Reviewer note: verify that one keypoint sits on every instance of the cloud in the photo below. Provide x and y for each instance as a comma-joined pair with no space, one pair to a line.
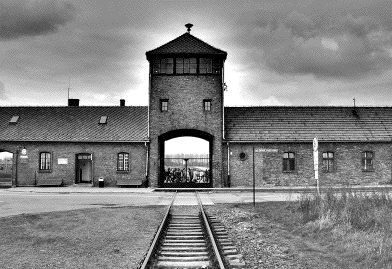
326,43
2,91
32,17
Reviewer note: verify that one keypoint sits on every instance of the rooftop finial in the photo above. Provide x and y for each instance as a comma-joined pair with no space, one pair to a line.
188,26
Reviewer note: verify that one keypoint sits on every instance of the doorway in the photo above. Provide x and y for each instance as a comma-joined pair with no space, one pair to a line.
84,164
185,158
6,168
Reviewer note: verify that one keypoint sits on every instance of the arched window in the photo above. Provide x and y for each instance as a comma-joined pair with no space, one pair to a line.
123,162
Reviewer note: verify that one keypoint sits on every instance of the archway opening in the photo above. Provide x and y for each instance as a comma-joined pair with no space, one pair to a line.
6,168
186,160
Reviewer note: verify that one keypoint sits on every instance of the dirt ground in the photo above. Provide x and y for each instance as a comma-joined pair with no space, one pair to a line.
108,237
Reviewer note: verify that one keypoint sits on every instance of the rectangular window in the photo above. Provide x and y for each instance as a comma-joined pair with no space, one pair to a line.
14,120
84,156
367,160
164,104
103,120
163,66
205,66
186,65
288,161
328,161
123,161
45,161
216,66
207,105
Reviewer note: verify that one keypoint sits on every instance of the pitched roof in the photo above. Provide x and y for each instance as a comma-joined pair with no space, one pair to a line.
291,124
186,44
74,124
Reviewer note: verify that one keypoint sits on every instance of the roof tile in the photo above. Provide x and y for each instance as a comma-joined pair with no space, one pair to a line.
74,124
186,44
269,124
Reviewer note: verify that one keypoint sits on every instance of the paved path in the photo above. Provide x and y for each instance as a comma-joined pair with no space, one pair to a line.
16,201
31,200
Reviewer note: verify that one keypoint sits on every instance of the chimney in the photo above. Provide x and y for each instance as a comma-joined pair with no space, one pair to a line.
73,102
122,102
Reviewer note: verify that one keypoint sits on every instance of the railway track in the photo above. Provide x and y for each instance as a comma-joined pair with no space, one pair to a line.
184,240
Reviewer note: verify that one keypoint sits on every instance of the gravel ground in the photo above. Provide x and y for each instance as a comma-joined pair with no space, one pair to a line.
255,237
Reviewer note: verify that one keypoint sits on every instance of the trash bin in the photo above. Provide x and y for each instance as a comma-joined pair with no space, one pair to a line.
100,182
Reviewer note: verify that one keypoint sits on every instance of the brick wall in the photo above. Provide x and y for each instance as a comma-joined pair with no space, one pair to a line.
269,170
104,161
185,111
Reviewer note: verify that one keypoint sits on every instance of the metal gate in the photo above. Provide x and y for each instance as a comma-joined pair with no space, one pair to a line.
186,172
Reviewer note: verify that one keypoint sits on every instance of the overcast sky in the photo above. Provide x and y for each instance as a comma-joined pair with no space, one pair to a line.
298,52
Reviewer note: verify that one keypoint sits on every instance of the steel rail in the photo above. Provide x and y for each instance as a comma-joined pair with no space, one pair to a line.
210,234
158,234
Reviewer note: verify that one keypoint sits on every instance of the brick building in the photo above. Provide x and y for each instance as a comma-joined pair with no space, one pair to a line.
125,145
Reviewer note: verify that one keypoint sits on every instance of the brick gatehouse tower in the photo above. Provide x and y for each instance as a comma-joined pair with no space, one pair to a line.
186,99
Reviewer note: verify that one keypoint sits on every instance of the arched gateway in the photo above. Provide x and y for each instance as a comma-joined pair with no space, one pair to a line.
186,168
185,99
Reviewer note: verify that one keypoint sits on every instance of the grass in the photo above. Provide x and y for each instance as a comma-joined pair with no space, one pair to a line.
336,230
358,221
89,238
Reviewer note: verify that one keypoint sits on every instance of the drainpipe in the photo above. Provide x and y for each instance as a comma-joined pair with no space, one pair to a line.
147,153
16,167
228,165
223,102
149,96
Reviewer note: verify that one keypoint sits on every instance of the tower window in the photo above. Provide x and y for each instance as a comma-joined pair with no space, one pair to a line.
164,104
163,66
186,65
205,66
207,105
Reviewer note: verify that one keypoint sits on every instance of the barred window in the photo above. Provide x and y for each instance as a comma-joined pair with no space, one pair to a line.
163,66
123,161
367,160
328,161
288,161
45,161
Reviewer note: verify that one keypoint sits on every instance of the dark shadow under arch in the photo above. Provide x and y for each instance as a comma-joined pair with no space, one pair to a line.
181,133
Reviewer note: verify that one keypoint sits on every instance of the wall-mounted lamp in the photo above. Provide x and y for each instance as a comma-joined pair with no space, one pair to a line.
24,151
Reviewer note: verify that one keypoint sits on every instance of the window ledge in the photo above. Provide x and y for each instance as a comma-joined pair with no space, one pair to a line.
368,170
44,171
122,172
293,171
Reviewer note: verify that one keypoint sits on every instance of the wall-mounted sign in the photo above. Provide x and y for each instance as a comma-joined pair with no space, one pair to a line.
266,150
24,157
62,160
